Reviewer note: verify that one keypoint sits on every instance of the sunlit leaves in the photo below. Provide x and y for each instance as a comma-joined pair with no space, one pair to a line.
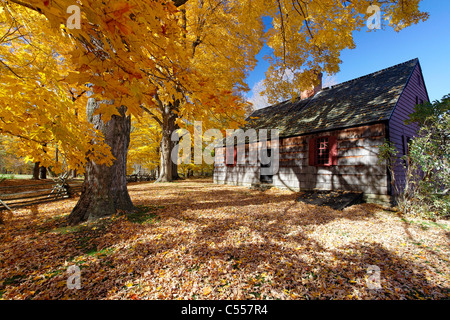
223,242
39,108
152,53
309,36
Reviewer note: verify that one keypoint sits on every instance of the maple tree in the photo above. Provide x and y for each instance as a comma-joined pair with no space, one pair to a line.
308,36
38,109
178,60
145,140
9,161
218,54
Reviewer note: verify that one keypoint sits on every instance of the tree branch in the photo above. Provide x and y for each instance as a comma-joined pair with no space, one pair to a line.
27,5
283,33
9,68
179,3
153,115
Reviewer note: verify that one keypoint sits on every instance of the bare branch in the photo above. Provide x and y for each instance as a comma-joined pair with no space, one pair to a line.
152,114
27,5
10,69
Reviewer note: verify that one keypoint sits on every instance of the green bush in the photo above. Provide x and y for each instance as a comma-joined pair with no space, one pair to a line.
425,193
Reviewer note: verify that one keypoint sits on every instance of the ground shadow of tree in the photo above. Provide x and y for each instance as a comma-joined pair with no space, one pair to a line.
277,262
313,271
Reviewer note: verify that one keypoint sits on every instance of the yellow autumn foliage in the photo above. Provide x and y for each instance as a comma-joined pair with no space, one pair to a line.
38,108
151,53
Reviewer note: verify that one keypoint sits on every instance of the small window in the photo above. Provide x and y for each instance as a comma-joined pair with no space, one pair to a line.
323,151
406,140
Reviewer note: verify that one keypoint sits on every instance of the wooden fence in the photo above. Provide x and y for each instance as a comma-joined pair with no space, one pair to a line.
12,197
140,177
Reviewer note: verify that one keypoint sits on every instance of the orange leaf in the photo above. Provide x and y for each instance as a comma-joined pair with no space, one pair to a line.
207,291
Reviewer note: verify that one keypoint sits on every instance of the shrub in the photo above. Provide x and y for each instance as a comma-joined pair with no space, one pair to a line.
426,190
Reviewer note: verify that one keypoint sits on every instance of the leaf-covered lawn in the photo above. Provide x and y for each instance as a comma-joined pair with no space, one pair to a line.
197,240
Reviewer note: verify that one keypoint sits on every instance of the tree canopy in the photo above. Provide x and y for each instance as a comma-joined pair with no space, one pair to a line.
175,62
142,52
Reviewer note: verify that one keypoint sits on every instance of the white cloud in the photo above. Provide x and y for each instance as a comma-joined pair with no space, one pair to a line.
329,81
259,101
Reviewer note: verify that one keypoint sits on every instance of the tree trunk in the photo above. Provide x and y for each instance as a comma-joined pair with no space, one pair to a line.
165,171
168,127
175,175
42,173
36,171
104,189
175,148
43,170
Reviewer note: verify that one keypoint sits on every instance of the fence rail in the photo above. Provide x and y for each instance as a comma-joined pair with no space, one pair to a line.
140,177
11,197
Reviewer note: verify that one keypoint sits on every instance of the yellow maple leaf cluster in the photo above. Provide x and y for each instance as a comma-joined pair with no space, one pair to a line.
39,109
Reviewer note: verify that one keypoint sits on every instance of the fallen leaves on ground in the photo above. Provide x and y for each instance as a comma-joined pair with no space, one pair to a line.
197,240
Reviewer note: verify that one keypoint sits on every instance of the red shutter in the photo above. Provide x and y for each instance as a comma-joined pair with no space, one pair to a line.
333,150
312,151
229,153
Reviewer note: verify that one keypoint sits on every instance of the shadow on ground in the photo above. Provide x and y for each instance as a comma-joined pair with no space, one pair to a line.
246,235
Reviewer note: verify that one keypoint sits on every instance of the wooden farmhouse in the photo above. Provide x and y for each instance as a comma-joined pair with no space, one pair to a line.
329,137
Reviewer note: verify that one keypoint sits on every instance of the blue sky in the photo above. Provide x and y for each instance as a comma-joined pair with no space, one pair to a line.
429,41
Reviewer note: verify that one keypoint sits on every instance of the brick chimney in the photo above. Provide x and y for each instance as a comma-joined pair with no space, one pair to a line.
305,94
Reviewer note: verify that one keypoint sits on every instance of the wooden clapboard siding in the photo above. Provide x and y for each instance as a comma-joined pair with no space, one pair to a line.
358,114
357,166
398,130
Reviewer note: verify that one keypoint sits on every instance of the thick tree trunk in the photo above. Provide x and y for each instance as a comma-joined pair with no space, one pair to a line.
175,148
175,175
36,171
104,190
43,170
42,173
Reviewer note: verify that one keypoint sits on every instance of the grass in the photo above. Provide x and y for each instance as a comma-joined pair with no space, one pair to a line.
11,176
426,224
143,214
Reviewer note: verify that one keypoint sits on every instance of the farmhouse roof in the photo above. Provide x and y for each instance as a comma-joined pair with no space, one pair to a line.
367,99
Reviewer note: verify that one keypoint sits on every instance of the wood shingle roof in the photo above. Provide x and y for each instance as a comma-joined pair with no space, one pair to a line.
367,99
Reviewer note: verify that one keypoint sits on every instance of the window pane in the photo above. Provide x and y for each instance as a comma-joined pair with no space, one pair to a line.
323,151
